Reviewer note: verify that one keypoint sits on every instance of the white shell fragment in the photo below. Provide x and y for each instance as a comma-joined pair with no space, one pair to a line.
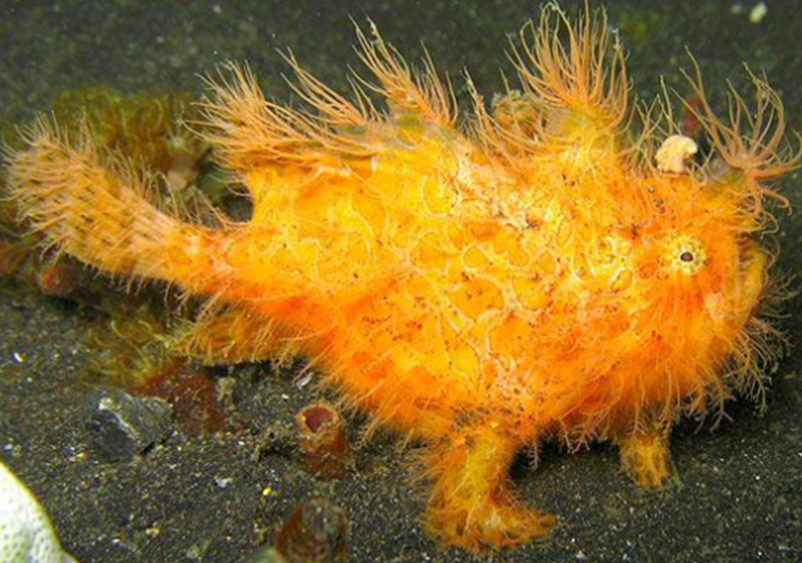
26,535
758,12
675,151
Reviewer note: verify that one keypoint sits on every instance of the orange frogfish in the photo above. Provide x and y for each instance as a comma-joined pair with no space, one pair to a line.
477,282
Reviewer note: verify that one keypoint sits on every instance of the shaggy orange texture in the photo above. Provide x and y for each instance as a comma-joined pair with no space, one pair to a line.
532,275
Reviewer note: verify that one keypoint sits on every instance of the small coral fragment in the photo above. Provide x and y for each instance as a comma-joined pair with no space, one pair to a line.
322,441
315,532
192,395
59,278
26,534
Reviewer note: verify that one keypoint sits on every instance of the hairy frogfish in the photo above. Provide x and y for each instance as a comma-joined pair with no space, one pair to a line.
559,264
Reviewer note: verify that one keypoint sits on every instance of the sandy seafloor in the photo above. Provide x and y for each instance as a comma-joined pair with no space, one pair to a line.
740,497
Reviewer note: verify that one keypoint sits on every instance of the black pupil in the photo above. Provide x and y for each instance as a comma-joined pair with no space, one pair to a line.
686,256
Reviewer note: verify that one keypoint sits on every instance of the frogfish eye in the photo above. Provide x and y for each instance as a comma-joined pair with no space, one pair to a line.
686,254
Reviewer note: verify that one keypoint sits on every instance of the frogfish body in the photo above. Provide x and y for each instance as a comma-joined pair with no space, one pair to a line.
537,273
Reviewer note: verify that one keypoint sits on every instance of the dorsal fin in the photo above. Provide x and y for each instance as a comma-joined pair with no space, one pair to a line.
422,93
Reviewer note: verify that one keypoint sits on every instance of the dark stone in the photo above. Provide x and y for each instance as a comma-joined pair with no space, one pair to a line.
121,426
315,532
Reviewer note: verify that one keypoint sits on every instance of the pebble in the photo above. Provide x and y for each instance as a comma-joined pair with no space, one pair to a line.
122,426
315,532
758,12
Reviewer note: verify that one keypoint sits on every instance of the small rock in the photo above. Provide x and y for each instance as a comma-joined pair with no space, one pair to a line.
122,426
315,532
223,482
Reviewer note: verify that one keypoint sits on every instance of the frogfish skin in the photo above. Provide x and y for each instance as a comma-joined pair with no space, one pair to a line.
480,282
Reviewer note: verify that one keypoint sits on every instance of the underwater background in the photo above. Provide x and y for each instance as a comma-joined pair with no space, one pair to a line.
202,496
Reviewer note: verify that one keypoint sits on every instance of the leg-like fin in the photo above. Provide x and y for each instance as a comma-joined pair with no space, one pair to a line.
471,504
646,457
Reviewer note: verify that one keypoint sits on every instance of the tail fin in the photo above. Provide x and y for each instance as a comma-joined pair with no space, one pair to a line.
95,211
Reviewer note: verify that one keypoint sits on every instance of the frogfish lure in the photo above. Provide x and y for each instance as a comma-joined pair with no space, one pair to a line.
478,284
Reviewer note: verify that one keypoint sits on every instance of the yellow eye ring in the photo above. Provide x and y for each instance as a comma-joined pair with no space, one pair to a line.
686,254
